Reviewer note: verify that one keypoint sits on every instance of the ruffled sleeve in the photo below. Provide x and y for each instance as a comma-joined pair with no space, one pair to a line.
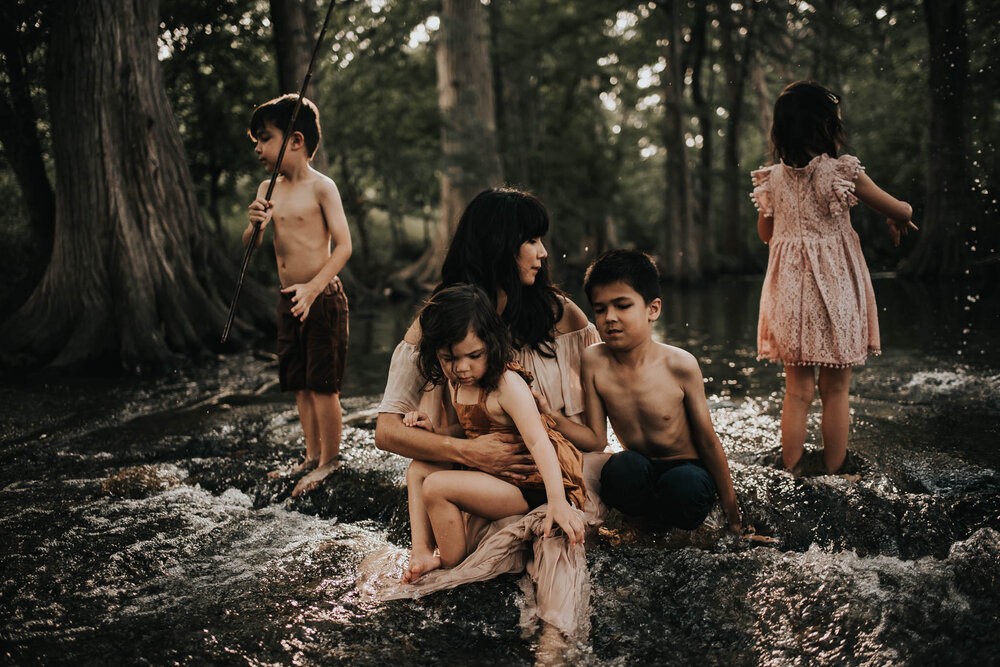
559,379
761,194
569,352
404,384
845,170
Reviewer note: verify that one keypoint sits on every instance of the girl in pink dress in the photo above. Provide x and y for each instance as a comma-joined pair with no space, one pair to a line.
817,306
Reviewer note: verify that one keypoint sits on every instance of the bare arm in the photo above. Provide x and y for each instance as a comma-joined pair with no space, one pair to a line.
704,438
592,436
516,401
897,213
260,213
765,227
340,234
493,453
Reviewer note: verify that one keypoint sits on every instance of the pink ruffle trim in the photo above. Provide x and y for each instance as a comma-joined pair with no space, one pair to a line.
824,364
843,186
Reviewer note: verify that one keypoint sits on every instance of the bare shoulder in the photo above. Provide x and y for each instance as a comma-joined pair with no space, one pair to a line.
511,380
596,355
413,334
573,319
679,362
323,185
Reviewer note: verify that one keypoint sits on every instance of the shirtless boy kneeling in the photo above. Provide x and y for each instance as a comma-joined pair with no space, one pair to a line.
673,464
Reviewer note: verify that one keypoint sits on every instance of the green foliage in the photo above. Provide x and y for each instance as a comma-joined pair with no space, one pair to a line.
580,115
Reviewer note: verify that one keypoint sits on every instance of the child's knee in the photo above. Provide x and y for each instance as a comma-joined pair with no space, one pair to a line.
834,382
800,393
433,489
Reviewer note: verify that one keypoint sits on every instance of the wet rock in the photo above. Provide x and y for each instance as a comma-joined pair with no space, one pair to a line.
141,481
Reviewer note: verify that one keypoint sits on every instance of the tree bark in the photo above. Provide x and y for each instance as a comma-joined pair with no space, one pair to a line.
471,162
703,105
134,275
294,35
19,133
736,64
680,247
945,246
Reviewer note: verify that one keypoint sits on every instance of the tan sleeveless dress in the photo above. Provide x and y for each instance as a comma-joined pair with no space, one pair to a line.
476,421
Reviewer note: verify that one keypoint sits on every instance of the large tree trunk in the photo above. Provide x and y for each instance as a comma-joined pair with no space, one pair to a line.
19,133
134,275
704,107
294,35
736,65
469,144
680,246
945,246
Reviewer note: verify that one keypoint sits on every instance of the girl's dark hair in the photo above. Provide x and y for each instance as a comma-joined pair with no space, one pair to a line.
484,252
806,124
446,319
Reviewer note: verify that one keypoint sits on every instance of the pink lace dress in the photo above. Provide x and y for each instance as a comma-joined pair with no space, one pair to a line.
817,305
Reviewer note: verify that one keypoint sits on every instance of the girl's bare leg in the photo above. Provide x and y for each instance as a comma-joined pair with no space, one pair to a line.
422,556
834,392
450,492
799,391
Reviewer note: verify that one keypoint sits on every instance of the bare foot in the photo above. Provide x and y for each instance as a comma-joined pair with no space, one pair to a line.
315,478
420,563
299,469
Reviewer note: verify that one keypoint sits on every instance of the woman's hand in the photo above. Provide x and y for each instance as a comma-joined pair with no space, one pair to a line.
567,518
418,419
500,454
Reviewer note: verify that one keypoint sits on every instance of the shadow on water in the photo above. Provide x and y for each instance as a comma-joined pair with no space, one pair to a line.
140,525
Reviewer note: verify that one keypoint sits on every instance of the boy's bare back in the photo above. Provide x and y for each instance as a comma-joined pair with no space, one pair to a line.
646,402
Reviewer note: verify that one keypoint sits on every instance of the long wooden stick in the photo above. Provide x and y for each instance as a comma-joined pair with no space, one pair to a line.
274,176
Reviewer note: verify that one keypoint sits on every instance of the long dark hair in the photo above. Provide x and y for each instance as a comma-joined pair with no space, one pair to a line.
447,318
484,252
806,123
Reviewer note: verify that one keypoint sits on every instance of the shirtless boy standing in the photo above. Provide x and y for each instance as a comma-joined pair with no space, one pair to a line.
312,308
673,464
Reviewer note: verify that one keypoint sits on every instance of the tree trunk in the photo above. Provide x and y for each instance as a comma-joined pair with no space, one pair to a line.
703,105
134,274
19,133
736,64
465,97
945,246
680,249
294,41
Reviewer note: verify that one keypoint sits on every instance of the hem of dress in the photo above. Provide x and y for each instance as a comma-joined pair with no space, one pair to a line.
825,364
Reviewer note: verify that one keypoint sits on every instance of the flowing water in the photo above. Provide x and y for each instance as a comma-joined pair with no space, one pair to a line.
138,525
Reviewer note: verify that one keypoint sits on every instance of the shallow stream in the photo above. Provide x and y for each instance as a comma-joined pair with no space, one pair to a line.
138,525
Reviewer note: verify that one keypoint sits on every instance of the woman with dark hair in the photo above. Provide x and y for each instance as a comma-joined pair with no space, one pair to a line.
498,247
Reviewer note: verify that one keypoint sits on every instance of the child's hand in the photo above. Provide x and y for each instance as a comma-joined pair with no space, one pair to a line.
899,229
260,213
567,518
418,420
302,299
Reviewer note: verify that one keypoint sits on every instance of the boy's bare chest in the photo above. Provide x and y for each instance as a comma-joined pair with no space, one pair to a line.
296,208
650,396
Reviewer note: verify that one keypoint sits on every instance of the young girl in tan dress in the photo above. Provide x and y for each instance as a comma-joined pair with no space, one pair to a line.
466,344
817,305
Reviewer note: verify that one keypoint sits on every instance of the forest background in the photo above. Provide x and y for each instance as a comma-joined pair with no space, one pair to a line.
126,169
